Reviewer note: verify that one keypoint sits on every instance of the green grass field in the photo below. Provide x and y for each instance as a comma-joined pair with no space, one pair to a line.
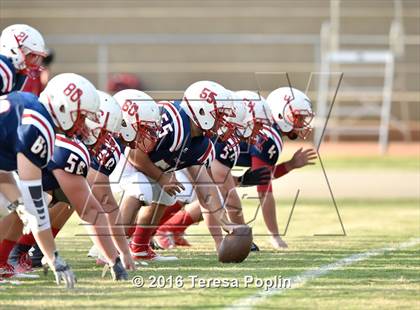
388,280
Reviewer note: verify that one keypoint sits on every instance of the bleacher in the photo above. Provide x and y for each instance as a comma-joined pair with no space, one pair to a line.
170,44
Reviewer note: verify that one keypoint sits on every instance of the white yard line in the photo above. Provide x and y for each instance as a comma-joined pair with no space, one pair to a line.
301,279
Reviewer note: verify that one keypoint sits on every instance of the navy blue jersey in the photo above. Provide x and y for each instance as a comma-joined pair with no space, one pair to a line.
9,79
226,154
108,157
25,127
176,149
70,155
267,150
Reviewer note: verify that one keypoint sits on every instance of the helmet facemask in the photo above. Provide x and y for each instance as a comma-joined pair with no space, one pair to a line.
147,135
257,135
224,127
299,119
80,128
98,136
254,133
32,65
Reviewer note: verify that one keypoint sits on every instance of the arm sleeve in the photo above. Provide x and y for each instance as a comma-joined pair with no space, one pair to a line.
280,170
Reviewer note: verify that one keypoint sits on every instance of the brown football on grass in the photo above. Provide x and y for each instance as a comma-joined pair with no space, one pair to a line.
236,245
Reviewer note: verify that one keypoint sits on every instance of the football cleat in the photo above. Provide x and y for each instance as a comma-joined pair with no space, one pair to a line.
6,271
93,252
180,240
17,251
147,253
154,245
100,259
254,247
24,264
36,256
164,240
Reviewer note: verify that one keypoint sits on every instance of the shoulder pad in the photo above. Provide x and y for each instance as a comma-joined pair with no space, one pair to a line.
7,75
172,119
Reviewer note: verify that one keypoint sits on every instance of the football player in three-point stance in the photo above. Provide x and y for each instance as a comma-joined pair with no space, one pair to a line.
255,115
183,143
28,128
139,130
292,114
66,177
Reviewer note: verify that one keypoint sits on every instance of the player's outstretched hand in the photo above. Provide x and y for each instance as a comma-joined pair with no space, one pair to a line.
62,272
170,184
259,176
303,158
128,262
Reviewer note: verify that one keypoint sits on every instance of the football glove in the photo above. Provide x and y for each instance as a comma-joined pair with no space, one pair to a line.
260,176
62,271
118,271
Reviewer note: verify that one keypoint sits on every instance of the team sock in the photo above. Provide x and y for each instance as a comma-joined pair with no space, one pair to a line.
6,247
141,238
170,211
178,223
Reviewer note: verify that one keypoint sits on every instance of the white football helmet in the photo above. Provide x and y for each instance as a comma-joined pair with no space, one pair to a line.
25,46
141,119
110,118
258,116
70,99
291,111
208,104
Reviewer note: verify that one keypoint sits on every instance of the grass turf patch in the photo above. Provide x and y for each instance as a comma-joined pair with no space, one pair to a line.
386,280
